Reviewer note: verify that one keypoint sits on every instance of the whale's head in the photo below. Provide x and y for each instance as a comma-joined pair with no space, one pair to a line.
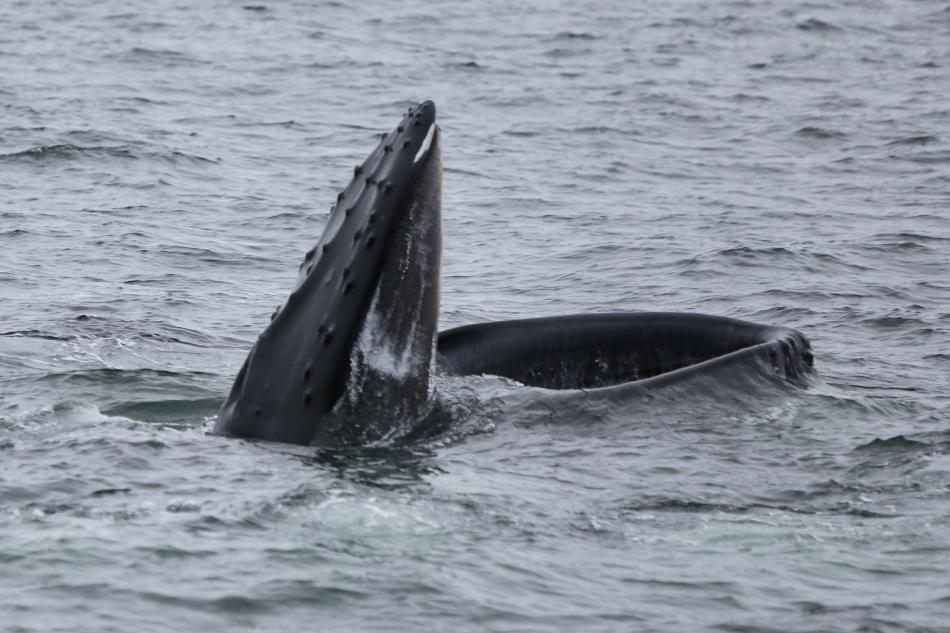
359,328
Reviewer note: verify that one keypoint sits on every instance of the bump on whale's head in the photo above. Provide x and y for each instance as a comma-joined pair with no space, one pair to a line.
378,196
299,367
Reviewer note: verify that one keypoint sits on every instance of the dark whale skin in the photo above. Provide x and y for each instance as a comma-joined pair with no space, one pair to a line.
299,367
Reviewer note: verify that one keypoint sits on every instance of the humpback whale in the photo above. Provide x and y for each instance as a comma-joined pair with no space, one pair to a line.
353,349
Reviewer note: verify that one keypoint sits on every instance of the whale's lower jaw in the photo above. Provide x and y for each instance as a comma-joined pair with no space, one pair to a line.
601,351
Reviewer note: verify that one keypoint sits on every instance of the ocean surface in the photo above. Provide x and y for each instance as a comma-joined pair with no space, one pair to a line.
164,166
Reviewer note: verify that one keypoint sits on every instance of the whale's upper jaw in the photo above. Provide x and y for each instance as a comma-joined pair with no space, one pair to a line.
300,365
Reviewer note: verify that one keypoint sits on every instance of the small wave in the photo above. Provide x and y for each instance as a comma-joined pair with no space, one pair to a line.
741,97
463,172
67,151
601,129
471,66
180,335
744,252
71,413
164,57
64,152
749,256
566,52
140,100
197,254
276,596
689,505
905,236
894,321
168,411
112,377
574,35
915,140
925,158
290,123
177,156
103,492
37,334
816,25
521,132
821,490
784,312
207,119
899,243
896,443
819,133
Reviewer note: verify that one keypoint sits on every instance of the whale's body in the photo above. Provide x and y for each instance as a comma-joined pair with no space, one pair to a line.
352,350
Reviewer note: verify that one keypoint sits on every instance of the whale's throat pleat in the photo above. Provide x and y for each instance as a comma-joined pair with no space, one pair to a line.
394,352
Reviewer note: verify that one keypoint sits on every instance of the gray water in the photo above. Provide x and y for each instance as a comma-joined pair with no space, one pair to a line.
164,165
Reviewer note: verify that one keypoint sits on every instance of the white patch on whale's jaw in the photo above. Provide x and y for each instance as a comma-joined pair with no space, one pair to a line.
391,342
426,144
379,353
393,355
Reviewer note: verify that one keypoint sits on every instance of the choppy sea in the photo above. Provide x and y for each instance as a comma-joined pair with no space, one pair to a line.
164,165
